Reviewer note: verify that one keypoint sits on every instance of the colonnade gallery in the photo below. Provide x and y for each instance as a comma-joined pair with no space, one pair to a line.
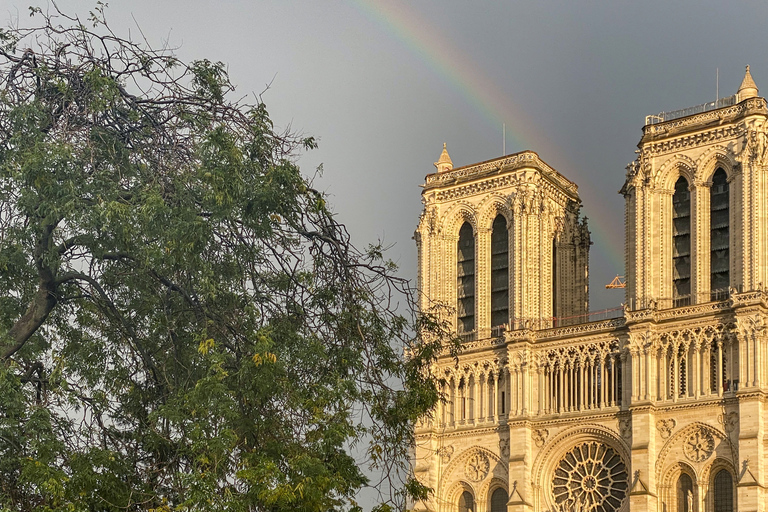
658,406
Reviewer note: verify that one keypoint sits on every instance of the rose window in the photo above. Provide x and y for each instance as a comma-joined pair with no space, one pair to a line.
698,445
590,478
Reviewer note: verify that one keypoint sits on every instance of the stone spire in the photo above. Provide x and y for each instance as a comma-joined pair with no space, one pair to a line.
748,88
444,162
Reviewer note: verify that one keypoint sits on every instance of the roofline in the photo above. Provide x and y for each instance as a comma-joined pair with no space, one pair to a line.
525,158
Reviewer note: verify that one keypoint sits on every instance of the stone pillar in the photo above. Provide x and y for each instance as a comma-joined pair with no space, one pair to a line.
483,282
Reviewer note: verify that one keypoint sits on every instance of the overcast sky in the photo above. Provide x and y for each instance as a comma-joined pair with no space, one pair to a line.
383,84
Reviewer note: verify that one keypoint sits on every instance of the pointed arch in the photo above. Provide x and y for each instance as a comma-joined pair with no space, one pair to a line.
674,168
490,208
710,161
719,234
456,216
465,279
500,263
681,242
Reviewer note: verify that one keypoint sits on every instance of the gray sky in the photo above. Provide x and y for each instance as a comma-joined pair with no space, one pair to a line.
383,84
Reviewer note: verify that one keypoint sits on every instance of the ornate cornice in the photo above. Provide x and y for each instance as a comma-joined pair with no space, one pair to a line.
509,162
694,140
699,121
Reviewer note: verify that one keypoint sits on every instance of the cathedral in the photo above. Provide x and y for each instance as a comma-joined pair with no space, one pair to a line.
656,406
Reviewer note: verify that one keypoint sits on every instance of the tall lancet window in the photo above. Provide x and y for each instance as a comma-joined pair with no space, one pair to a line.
465,306
723,491
681,244
499,272
719,236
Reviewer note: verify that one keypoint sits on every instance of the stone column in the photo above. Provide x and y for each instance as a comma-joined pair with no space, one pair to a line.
483,282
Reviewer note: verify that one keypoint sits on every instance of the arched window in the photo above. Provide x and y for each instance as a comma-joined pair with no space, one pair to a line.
555,312
465,306
499,500
714,357
681,244
719,236
683,376
499,272
466,502
684,486
723,491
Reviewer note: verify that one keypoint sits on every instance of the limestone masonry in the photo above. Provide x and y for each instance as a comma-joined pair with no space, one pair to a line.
659,406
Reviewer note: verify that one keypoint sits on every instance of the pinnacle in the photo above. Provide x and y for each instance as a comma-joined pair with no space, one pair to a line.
444,163
748,88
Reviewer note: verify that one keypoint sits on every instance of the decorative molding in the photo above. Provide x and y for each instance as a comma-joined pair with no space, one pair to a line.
477,466
445,453
728,420
539,436
625,428
590,477
504,447
751,106
665,427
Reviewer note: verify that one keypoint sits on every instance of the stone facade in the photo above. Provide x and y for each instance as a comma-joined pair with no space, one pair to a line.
658,406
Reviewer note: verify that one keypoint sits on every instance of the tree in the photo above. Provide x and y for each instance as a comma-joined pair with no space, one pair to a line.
184,324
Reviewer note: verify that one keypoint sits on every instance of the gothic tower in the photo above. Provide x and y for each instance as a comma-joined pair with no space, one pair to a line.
658,406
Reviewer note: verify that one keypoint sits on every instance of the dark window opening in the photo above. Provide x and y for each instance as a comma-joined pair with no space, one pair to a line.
466,280
499,272
723,491
719,236
499,500
466,502
681,244
684,486
554,278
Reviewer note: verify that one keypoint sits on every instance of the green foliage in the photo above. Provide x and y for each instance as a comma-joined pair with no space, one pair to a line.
184,326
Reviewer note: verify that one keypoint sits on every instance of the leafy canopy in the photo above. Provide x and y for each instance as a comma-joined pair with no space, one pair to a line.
184,325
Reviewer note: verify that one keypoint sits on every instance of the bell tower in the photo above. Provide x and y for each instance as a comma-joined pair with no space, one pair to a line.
502,242
696,219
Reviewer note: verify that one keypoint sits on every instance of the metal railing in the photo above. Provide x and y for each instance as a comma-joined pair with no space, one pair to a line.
482,334
563,321
681,301
698,109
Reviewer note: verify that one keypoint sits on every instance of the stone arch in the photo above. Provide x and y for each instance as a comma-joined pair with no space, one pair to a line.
455,473
673,472
708,480
718,463
456,216
547,460
668,484
489,487
674,449
711,160
492,206
455,491
672,169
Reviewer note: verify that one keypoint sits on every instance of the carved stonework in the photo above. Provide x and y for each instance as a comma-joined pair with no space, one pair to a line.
540,436
591,477
728,420
504,447
665,427
536,387
698,446
445,454
625,428
477,466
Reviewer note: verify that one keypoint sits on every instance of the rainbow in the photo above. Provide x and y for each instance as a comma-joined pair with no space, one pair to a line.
420,36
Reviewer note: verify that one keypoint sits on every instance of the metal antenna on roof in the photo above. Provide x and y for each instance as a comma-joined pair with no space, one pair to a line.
717,89
503,139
